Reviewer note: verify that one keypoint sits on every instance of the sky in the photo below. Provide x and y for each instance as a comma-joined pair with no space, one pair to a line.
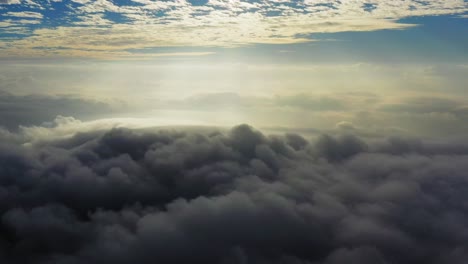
398,65
233,131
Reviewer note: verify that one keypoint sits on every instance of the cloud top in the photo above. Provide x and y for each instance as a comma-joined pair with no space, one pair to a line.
240,196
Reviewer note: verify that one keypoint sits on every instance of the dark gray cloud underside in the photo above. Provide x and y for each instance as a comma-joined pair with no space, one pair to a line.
124,196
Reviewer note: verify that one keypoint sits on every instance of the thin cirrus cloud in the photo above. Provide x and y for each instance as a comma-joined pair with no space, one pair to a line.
112,28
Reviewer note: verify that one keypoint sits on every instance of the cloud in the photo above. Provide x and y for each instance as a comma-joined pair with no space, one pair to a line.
9,2
313,103
180,92
239,196
423,105
363,114
24,14
112,28
16,110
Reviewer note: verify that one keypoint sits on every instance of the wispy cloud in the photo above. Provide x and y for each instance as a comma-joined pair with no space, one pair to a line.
24,14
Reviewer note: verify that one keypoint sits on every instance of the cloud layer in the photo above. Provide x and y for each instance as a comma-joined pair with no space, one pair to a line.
179,196
120,28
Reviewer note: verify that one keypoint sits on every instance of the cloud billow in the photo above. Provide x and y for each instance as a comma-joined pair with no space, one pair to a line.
133,196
